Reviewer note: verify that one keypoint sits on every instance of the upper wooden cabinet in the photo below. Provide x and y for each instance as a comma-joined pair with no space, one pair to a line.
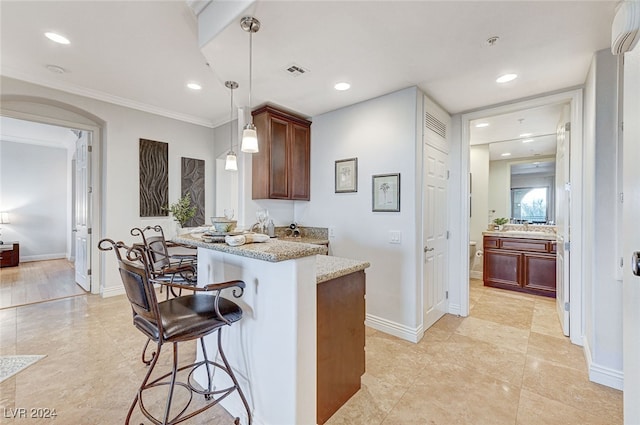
281,167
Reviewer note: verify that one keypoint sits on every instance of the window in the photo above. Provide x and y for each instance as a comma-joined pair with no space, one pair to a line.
530,204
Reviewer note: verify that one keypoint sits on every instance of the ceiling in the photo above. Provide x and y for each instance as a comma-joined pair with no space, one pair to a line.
141,54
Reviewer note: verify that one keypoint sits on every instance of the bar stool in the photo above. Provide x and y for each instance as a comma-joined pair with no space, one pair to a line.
179,319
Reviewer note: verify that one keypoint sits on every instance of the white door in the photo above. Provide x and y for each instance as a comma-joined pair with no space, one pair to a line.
563,206
631,237
435,249
82,201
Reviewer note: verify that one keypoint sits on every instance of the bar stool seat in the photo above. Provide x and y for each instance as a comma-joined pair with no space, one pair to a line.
179,319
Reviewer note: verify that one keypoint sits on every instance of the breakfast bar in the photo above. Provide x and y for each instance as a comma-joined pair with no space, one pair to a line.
275,349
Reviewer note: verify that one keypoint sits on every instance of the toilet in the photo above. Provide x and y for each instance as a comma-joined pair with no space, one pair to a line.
472,252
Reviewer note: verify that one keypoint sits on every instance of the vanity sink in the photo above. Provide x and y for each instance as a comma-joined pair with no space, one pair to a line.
528,233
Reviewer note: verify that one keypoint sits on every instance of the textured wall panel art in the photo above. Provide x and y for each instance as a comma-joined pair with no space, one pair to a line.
193,184
154,178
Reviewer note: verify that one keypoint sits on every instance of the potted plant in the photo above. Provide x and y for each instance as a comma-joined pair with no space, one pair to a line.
182,210
500,222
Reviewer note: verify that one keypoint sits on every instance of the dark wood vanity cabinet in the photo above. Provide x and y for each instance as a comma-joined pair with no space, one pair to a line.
519,264
281,168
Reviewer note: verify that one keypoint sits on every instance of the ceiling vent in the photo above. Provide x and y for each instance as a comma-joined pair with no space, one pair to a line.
296,70
625,30
435,125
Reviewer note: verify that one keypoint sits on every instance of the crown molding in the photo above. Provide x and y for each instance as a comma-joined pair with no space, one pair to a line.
102,96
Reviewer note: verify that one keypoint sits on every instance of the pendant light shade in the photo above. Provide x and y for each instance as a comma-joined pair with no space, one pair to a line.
249,133
231,163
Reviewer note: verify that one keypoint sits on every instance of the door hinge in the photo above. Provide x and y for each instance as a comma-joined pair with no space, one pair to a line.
566,306
567,246
621,197
90,189
448,174
621,262
89,231
567,127
567,186
89,272
89,148
446,295
447,234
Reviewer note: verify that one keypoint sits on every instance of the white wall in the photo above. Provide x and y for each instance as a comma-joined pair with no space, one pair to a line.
479,168
33,188
381,133
603,295
119,176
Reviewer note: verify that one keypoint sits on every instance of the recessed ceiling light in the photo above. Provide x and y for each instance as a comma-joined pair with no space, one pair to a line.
194,86
342,86
527,141
482,125
506,154
57,38
525,134
506,78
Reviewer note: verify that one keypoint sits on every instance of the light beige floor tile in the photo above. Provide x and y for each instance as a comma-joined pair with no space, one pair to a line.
573,388
545,321
535,409
504,310
504,336
556,350
457,395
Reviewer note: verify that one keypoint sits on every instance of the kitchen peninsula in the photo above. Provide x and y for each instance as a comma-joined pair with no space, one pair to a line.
277,349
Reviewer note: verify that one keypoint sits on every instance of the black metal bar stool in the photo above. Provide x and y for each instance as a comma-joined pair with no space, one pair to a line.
183,318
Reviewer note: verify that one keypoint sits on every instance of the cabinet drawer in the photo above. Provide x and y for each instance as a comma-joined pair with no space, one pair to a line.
524,245
490,242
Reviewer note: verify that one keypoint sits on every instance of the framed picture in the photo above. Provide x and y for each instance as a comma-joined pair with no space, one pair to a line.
347,175
386,192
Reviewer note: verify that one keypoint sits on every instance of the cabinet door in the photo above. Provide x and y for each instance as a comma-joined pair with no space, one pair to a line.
501,269
540,273
279,184
300,157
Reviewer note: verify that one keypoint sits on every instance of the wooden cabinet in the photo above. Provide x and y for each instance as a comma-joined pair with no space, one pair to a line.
9,254
520,264
341,355
281,168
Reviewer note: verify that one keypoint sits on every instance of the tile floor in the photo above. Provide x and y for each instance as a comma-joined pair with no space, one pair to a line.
506,363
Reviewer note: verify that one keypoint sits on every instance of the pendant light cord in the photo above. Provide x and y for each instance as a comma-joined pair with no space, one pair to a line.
250,72
231,123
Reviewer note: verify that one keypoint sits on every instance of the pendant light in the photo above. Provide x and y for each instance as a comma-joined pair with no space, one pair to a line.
249,134
232,161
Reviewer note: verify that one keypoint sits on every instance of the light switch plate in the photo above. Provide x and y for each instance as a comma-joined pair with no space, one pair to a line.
395,236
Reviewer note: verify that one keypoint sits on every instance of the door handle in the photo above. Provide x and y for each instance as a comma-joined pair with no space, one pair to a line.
635,263
428,249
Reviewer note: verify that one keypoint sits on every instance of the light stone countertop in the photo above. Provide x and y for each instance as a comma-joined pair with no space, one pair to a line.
304,239
522,235
273,250
328,267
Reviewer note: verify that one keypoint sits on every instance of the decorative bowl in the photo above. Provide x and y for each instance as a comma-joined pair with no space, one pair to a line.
223,225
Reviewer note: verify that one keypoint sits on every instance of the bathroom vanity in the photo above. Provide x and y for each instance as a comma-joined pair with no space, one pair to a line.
520,261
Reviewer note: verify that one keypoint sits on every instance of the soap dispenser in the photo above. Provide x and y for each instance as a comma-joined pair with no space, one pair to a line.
271,229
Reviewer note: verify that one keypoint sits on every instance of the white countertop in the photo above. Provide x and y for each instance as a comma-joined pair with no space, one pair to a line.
328,267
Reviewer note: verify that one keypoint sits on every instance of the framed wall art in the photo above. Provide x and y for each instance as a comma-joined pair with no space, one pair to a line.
346,175
154,178
386,193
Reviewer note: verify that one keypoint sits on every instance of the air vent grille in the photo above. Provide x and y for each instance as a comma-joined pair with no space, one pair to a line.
434,124
296,70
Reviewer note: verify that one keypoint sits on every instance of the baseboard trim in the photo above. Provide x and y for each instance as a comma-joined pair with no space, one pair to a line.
393,328
454,309
474,274
112,291
601,374
42,257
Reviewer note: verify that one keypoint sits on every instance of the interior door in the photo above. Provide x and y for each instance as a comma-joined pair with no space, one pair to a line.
82,204
435,235
563,204
631,237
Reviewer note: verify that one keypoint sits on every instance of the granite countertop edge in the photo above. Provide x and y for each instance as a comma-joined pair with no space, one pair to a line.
272,250
329,267
521,235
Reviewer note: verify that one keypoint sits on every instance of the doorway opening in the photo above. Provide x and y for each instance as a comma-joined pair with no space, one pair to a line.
570,103
47,163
